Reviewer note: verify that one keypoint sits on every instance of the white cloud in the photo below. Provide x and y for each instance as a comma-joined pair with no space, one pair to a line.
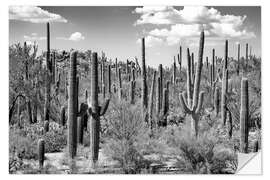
151,41
34,37
189,21
33,14
77,36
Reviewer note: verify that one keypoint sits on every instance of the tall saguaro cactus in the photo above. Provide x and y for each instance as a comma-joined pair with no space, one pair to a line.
246,55
238,59
213,65
174,71
144,84
160,69
72,106
197,102
151,103
48,79
95,111
244,116
224,85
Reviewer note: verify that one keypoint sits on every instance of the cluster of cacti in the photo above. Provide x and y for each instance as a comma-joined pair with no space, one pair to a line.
194,106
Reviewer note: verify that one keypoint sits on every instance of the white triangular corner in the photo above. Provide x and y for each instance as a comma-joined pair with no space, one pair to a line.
250,163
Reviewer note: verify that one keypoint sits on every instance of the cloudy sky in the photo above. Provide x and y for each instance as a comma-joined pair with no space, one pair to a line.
117,30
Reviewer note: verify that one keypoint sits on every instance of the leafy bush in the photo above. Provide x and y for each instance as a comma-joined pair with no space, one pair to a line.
125,128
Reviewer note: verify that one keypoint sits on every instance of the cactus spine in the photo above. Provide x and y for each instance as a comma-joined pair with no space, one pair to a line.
197,102
144,85
224,85
72,106
244,116
41,152
95,111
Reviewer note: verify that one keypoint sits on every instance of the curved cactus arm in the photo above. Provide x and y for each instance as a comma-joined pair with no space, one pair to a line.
83,110
200,103
184,104
104,107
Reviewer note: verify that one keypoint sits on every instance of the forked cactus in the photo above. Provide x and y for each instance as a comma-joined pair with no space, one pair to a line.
244,116
95,111
197,102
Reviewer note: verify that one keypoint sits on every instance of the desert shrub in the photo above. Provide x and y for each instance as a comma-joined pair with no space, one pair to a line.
207,153
24,141
125,128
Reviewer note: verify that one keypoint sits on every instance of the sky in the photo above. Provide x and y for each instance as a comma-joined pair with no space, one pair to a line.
117,30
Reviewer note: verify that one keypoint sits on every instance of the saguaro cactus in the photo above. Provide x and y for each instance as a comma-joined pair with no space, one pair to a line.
246,55
244,116
46,126
197,102
151,103
180,59
119,84
80,130
158,100
41,152
217,101
95,111
63,116
224,85
160,69
174,71
144,84
48,79
109,79
72,106
165,107
132,92
213,66
238,59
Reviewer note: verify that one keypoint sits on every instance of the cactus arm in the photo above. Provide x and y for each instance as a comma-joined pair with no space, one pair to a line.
104,107
183,104
200,103
83,110
188,79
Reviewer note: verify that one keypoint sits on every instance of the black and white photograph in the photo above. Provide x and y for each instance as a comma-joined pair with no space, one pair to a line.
133,89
